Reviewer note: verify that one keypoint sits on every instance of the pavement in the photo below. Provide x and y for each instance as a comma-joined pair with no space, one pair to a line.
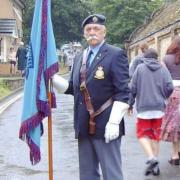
14,160
134,158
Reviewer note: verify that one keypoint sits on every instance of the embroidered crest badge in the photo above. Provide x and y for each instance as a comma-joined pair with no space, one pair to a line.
99,74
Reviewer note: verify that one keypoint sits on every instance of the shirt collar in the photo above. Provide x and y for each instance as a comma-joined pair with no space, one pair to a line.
96,48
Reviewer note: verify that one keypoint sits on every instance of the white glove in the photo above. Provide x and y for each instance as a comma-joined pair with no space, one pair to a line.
111,132
60,84
112,127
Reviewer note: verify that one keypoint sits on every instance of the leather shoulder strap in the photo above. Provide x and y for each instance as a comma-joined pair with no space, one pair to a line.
83,67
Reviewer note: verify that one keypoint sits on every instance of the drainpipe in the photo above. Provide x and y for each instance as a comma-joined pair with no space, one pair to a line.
0,46
5,49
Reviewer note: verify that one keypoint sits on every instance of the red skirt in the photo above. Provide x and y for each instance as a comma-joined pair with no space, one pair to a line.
170,130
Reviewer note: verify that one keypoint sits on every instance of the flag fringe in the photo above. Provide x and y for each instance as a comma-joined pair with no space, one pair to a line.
54,68
30,124
43,107
35,155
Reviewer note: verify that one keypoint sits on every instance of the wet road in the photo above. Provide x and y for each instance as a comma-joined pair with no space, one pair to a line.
14,154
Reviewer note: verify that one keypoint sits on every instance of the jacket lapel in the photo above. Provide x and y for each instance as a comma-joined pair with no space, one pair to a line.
77,69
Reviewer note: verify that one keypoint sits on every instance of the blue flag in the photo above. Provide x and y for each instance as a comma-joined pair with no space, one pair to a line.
42,63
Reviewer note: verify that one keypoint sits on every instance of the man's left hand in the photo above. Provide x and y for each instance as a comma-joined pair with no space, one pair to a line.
111,132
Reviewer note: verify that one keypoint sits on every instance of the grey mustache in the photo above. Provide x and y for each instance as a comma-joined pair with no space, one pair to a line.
91,37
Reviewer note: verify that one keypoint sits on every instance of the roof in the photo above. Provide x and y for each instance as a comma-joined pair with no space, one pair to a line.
162,18
7,26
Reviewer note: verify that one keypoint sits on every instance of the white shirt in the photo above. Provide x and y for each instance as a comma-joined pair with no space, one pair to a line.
150,114
95,51
176,83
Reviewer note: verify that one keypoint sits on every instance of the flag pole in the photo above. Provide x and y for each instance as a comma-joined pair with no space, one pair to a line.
50,149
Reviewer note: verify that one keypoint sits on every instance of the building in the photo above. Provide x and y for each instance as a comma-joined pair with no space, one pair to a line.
158,30
10,27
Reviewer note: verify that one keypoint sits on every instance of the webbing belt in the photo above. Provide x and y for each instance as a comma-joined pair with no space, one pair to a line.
87,97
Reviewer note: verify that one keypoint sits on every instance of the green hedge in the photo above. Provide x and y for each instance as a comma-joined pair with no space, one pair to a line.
4,90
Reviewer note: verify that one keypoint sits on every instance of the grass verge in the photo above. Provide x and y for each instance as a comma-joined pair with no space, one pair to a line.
4,90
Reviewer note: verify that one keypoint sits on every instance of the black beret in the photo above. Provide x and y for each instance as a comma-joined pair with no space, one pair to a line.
94,19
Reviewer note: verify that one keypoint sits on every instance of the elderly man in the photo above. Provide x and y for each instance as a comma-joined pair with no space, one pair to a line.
99,83
21,58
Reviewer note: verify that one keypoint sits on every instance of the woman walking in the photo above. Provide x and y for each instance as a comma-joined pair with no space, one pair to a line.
12,60
171,121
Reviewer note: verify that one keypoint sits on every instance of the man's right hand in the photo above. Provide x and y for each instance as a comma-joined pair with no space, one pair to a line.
60,84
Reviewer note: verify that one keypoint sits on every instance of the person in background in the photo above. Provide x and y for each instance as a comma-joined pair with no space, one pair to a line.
150,104
99,84
138,59
70,59
21,58
12,60
171,121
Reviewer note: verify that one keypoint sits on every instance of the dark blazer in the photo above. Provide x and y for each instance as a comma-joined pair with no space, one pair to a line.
114,62
21,56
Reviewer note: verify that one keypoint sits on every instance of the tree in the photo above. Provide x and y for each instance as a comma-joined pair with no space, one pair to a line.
123,17
27,19
67,16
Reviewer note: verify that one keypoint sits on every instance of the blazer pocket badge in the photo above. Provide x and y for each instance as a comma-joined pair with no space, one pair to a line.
99,74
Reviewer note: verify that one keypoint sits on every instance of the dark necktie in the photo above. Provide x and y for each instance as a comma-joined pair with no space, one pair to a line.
88,59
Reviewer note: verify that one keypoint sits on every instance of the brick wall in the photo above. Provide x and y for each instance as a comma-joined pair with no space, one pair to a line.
4,68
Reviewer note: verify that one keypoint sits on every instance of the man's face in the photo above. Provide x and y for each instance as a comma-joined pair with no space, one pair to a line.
94,33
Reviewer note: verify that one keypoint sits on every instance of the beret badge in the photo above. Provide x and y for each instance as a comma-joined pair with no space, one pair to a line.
95,19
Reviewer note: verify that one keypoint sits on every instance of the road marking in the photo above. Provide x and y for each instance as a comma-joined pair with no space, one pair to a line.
8,103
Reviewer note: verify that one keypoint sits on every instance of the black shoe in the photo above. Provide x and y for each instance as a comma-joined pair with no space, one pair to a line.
156,170
175,162
150,166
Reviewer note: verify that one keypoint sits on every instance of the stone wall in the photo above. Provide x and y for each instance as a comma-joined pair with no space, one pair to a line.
159,41
13,83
